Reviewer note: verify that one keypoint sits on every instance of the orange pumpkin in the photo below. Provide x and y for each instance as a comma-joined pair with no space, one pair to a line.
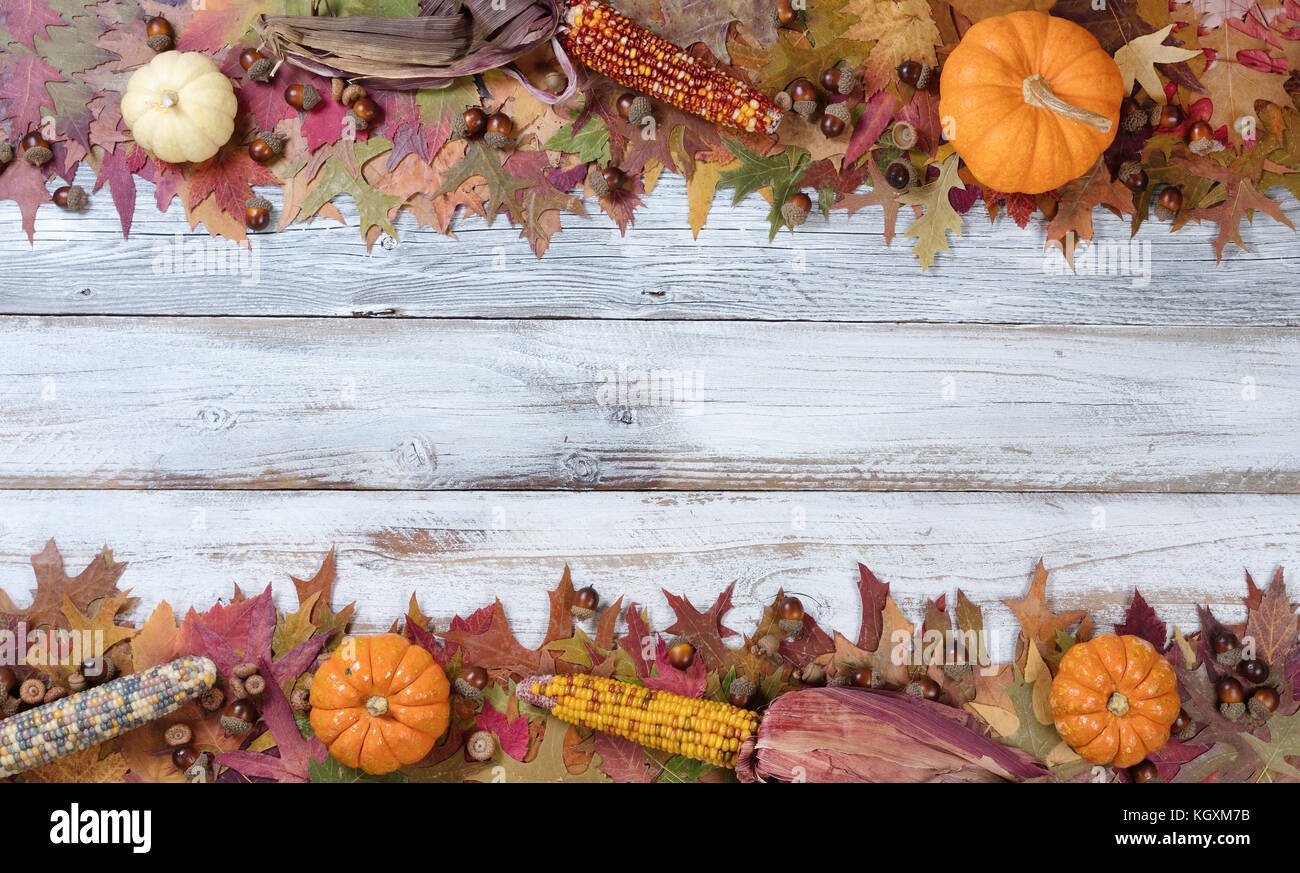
1029,101
379,702
1114,699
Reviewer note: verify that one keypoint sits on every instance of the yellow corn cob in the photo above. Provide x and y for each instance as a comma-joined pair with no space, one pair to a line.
613,44
705,730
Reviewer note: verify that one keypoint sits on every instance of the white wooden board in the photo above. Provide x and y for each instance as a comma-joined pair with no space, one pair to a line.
458,550
289,403
836,271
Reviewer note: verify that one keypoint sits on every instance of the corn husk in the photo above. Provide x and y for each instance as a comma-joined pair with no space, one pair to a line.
855,735
450,39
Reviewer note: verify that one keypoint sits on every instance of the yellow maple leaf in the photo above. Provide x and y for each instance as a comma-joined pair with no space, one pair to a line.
1138,58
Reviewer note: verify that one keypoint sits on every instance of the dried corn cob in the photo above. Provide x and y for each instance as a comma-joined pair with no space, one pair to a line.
615,45
705,730
79,721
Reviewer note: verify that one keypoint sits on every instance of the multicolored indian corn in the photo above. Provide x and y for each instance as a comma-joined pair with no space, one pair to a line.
609,42
79,721
705,730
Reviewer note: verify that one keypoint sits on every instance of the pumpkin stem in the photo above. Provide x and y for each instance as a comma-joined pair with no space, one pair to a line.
1118,704
1037,91
377,706
169,99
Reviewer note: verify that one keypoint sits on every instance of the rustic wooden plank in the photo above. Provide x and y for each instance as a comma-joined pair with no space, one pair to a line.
457,551
841,271
411,404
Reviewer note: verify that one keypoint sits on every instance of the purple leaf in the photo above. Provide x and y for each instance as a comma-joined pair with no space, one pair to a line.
1141,621
875,117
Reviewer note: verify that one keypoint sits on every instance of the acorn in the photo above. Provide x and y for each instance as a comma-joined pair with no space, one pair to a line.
248,57
238,718
1133,175
158,34
925,688
179,734
357,122
97,669
266,146
337,87
1200,139
555,82
1169,115
185,757
1229,690
789,610
351,94
1132,117
785,14
766,646
803,97
681,654
257,216
614,178
838,80
812,674
1182,721
76,682
904,135
900,175
481,745
302,95
6,152
366,109
585,602
796,208
914,73
1168,204
1232,711
741,692
1253,669
596,181
36,151
1224,640
70,197
496,132
861,677
261,70
1144,771
471,682
1263,703
835,120
639,110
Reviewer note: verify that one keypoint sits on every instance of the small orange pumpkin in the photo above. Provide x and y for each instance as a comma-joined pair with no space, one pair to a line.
379,702
1029,101
1114,699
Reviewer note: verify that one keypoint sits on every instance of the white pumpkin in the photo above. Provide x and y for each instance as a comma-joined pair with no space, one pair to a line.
180,107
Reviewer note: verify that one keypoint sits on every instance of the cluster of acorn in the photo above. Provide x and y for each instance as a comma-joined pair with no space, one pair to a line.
35,150
609,181
1254,696
469,685
1199,137
495,129
802,97
16,696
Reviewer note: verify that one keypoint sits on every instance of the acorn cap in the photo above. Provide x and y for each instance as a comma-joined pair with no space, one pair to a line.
904,134
924,81
481,745
6,153
357,121
497,139
1205,146
1129,168
351,94
640,110
794,214
783,101
847,81
310,97
1232,711
38,156
276,141
804,107
1134,121
213,699
77,198
235,726
957,672
467,691
262,70
1258,711
840,111
742,686
791,627
596,181
257,201
458,128
336,89
160,42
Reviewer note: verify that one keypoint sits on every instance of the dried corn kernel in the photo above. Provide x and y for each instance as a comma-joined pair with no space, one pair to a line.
79,721
615,45
706,730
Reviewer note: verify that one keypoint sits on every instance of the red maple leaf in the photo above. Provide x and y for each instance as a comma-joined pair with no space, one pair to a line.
1141,621
704,629
229,177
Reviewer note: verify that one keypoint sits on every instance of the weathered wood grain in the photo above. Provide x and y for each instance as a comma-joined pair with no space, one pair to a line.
841,271
354,403
457,551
